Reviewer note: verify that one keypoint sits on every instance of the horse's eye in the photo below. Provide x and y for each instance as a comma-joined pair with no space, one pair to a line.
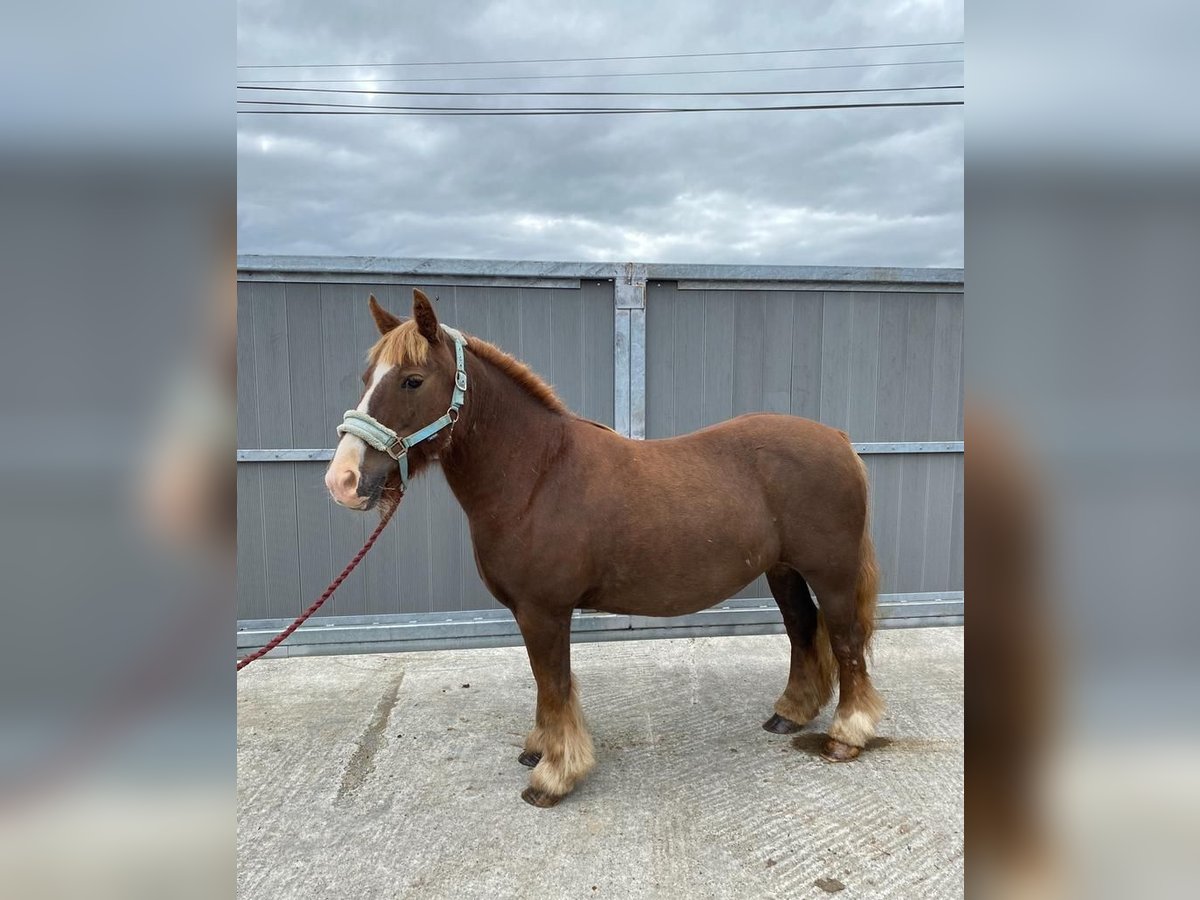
412,382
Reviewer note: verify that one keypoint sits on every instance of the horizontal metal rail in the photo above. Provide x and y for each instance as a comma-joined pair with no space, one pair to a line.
910,447
497,628
534,273
321,455
882,287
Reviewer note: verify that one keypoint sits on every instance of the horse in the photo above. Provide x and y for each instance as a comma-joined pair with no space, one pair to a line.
566,514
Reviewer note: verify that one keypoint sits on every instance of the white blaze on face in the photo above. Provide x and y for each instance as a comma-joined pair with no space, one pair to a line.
341,478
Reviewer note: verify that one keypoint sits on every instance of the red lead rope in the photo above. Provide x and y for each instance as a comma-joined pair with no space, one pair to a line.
337,582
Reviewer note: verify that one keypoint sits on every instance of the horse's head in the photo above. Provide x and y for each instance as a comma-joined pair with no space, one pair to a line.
408,384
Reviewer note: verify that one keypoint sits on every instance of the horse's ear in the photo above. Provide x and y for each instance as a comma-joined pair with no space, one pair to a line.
384,320
427,323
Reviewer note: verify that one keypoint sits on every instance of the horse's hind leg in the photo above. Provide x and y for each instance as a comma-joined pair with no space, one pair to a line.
559,746
810,679
848,608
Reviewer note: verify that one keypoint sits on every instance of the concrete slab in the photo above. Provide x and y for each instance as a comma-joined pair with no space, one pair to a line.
396,776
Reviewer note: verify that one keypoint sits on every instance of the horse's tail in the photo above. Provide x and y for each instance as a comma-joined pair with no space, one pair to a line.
866,593
867,589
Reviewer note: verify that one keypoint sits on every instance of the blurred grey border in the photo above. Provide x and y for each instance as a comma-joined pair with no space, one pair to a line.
1083,312
117,247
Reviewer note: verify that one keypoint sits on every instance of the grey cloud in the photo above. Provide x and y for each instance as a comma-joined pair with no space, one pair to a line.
852,187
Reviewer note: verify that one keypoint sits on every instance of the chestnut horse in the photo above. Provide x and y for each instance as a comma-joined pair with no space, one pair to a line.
566,514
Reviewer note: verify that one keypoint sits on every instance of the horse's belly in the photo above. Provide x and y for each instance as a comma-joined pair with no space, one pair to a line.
663,590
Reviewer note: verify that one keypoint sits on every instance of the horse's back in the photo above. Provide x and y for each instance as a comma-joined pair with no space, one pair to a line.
700,515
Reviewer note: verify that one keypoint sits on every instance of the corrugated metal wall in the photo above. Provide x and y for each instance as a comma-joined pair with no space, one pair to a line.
301,350
884,366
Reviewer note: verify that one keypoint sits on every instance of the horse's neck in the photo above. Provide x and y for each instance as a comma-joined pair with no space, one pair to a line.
500,444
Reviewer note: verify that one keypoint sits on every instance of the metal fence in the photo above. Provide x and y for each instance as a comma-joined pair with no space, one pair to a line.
653,350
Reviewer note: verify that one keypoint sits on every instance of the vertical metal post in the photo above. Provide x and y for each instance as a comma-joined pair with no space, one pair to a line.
629,349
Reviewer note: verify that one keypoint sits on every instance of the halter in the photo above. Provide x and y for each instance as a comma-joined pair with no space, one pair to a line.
379,436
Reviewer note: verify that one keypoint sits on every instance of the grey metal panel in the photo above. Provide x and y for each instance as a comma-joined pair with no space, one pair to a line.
749,354
270,343
716,383
917,423
836,327
957,542
660,359
565,372
597,358
310,427
945,394
306,368
939,515
808,312
947,365
689,362
892,368
913,521
470,309
777,352
281,568
504,320
247,376
342,360
251,564
863,357
885,477
960,433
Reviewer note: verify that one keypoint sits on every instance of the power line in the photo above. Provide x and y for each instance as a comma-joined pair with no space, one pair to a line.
505,62
530,109
931,87
922,62
469,111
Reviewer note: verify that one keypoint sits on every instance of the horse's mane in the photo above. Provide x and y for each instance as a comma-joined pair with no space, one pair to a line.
404,344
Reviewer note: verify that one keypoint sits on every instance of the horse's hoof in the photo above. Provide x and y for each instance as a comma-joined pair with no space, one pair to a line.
539,798
529,758
836,751
777,724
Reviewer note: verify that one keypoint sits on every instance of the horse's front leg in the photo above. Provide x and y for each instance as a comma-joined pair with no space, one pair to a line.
559,747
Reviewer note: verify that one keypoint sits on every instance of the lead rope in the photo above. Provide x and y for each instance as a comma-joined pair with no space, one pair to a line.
337,582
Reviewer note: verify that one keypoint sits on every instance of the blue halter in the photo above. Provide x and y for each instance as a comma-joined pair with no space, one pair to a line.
379,436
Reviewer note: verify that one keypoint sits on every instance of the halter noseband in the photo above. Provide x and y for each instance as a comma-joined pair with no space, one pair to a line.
379,436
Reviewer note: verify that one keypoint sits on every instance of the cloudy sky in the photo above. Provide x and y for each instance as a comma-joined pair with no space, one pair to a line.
811,187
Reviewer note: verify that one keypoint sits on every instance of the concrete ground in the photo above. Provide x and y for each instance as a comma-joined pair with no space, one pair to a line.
397,776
